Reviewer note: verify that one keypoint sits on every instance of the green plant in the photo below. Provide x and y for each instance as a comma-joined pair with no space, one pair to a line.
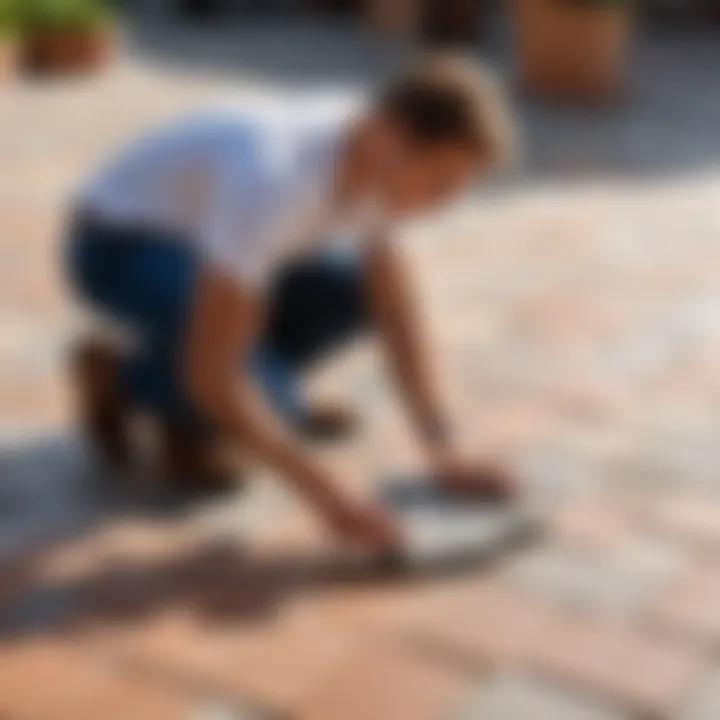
10,18
66,14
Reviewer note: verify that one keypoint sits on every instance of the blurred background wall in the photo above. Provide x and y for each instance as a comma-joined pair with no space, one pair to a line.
447,14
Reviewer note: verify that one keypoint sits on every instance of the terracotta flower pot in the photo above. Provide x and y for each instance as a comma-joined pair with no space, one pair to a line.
9,59
70,51
393,18
573,49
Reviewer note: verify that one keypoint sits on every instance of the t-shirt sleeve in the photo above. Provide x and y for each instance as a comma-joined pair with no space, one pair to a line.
241,231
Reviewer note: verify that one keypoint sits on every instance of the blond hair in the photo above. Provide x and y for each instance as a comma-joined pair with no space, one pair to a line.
451,98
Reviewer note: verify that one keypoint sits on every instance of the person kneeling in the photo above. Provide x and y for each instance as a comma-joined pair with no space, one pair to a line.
211,237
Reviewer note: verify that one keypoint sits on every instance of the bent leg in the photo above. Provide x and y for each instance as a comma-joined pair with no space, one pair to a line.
147,281
144,281
318,305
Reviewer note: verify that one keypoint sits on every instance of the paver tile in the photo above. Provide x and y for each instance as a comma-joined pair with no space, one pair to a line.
41,675
618,662
689,607
173,642
124,697
691,517
705,702
281,665
270,664
385,682
617,583
515,697
484,624
592,525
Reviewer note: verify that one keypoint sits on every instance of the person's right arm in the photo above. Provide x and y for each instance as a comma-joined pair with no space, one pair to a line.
223,329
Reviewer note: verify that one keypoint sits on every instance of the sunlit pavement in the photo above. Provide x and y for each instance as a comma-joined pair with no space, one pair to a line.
577,313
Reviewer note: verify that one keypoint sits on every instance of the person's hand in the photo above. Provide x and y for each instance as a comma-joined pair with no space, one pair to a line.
484,479
365,525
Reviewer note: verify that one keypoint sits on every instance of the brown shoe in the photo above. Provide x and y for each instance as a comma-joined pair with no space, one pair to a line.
198,464
102,410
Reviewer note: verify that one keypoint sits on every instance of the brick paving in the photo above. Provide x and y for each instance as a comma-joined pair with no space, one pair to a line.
578,318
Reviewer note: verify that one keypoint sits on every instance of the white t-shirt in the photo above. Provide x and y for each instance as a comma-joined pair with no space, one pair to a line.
251,185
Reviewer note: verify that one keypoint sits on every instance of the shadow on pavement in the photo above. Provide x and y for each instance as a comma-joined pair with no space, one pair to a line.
52,490
56,504
57,507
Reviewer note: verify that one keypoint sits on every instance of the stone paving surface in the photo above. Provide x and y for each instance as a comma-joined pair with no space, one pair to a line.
576,313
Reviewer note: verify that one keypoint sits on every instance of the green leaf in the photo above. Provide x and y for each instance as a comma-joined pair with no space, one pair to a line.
66,14
10,17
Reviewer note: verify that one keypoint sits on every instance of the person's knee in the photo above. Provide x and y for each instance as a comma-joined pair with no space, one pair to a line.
343,283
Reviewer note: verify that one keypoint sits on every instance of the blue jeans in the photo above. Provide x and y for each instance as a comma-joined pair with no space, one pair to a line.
147,282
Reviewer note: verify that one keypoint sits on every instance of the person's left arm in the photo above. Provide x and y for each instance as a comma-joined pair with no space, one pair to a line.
398,322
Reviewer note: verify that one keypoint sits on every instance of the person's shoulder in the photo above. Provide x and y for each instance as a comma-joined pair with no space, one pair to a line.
234,131
327,107
269,113
249,112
